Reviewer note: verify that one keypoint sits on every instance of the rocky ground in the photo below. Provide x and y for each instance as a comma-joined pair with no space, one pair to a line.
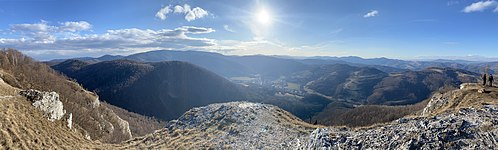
234,125
470,128
460,119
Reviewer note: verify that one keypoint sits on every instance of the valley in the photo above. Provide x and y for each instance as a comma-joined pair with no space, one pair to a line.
313,92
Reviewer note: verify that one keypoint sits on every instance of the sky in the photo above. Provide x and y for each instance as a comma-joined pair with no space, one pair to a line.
52,29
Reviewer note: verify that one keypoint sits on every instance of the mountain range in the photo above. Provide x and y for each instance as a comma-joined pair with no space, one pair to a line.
146,84
273,66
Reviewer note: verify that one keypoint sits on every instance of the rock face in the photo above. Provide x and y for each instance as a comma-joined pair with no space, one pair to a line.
48,102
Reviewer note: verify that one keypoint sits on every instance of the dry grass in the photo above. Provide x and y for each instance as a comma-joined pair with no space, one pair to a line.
25,73
177,139
24,127
139,125
468,97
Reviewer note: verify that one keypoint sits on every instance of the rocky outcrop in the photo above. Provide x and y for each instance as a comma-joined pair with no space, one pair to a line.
48,102
245,125
437,101
125,127
70,121
96,103
468,129
234,125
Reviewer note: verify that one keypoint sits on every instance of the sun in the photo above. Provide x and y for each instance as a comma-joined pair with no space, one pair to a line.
264,17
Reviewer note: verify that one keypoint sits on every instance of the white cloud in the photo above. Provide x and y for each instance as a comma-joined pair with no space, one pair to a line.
196,13
43,26
227,28
190,14
36,27
53,42
195,30
75,26
161,14
179,9
41,38
496,9
372,13
43,33
480,6
39,32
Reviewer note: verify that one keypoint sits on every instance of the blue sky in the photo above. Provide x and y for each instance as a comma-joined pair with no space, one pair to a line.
49,29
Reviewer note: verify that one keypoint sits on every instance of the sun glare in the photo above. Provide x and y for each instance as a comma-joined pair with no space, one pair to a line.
264,17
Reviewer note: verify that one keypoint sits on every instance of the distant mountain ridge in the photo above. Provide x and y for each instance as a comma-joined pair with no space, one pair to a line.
232,66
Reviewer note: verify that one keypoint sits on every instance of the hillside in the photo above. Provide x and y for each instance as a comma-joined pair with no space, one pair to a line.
362,96
22,126
345,82
414,86
92,119
163,90
363,85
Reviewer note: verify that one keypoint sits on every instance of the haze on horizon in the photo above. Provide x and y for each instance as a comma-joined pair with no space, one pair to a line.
50,29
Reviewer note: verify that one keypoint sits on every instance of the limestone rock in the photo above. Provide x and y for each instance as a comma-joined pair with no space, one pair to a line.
468,129
48,102
70,121
125,127
437,101
244,125
96,103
